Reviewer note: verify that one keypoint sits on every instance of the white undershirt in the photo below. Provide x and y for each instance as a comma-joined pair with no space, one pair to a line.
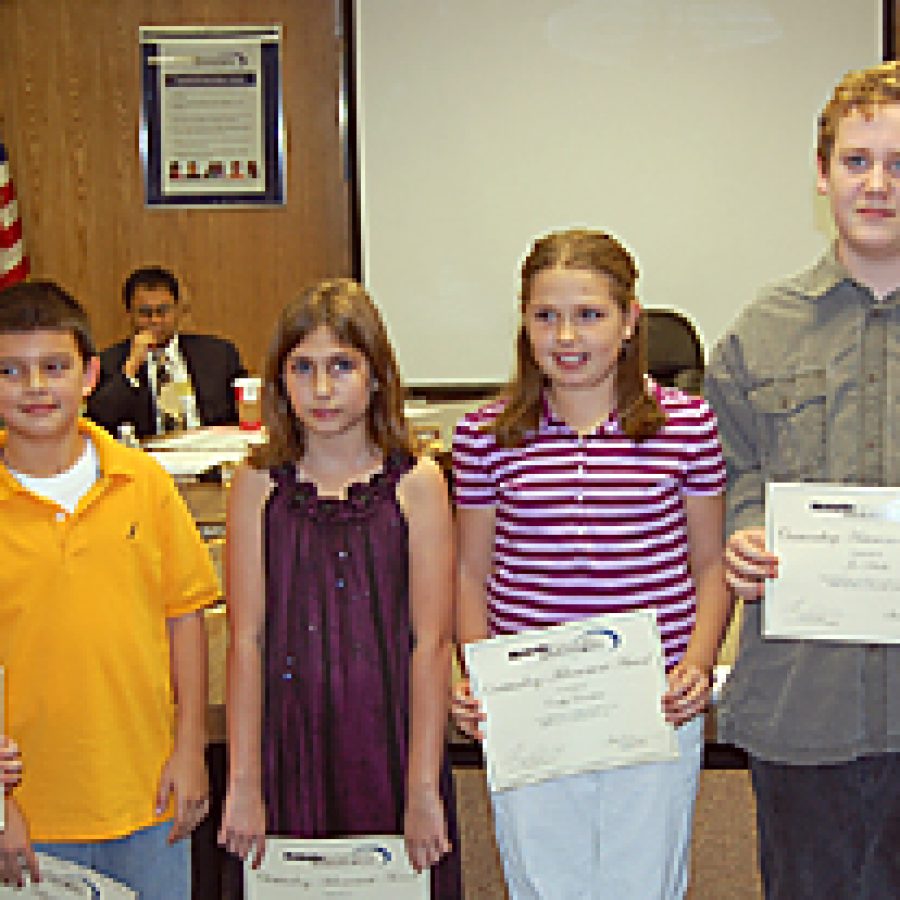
66,488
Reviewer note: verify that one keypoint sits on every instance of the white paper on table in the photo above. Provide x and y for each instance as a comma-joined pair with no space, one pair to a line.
839,563
578,697
212,437
195,462
62,880
418,412
374,867
196,450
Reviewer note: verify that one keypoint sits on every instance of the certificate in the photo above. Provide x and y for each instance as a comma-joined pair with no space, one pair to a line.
571,698
838,548
368,868
62,880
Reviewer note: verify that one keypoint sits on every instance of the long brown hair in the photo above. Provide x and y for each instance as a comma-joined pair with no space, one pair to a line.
591,251
344,307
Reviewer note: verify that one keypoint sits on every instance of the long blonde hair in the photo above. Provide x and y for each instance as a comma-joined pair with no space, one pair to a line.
591,251
344,307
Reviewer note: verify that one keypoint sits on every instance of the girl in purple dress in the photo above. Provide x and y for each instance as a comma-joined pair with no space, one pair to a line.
340,616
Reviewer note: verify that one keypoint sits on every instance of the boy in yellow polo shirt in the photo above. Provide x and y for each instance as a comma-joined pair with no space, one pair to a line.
103,579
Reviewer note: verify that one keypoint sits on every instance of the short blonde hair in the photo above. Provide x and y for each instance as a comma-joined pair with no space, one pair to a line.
863,91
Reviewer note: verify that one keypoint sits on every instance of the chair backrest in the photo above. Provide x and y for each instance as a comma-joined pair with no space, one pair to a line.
674,350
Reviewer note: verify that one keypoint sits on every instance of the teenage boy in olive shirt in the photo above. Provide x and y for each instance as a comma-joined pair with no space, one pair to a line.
806,386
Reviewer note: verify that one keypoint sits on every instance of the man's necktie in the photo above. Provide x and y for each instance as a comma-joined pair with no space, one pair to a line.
168,398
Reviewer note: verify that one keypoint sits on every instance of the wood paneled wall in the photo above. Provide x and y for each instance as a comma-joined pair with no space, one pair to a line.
69,114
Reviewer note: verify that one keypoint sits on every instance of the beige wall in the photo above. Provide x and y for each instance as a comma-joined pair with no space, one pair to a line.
69,112
69,94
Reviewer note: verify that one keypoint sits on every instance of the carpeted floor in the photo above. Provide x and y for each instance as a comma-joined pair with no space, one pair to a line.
723,859
723,865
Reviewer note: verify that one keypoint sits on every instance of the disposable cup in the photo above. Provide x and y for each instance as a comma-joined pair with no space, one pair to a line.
248,393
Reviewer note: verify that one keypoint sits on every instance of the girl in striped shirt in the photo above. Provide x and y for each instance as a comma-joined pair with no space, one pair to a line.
589,489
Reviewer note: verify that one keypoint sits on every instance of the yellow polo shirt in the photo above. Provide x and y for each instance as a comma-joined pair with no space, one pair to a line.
84,602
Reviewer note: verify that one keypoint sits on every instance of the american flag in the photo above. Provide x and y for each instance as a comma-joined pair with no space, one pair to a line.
13,261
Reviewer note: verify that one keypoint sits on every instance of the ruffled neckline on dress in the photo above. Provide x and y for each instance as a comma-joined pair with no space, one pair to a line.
361,495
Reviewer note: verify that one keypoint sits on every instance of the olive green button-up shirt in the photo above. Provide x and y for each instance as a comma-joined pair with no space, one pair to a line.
806,386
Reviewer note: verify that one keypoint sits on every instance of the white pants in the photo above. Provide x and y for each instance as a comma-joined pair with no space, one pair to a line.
622,834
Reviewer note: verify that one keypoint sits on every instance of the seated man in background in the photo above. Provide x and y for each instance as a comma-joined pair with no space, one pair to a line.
160,380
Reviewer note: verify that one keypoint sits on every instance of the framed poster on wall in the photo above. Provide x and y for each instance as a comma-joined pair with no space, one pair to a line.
211,131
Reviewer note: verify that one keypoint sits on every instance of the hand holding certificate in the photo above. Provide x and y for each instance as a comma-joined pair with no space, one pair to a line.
571,698
839,563
61,880
365,868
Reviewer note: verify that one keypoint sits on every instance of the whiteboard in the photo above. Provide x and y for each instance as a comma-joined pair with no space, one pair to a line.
684,127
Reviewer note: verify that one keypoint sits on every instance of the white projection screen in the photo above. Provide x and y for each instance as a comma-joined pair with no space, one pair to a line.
685,127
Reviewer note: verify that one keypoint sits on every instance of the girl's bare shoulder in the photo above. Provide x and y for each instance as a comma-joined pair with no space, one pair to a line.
249,487
423,484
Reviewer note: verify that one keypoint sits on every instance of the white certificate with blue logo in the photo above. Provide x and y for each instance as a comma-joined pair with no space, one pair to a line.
579,697
365,868
838,549
61,880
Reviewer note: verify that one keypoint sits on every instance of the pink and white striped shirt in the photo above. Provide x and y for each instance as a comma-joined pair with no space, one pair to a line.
594,523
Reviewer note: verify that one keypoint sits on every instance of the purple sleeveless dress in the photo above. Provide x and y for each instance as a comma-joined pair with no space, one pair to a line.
338,642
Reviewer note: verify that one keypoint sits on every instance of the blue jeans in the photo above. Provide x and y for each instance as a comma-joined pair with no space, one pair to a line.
143,861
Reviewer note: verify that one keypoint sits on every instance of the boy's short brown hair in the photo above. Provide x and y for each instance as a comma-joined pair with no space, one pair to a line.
35,305
862,91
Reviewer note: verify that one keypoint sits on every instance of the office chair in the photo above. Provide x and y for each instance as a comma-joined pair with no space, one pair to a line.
674,350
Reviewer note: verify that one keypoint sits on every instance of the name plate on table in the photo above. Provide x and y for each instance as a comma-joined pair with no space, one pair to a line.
839,563
365,868
61,880
571,698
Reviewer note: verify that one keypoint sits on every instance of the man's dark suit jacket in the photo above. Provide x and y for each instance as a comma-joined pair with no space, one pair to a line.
213,364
